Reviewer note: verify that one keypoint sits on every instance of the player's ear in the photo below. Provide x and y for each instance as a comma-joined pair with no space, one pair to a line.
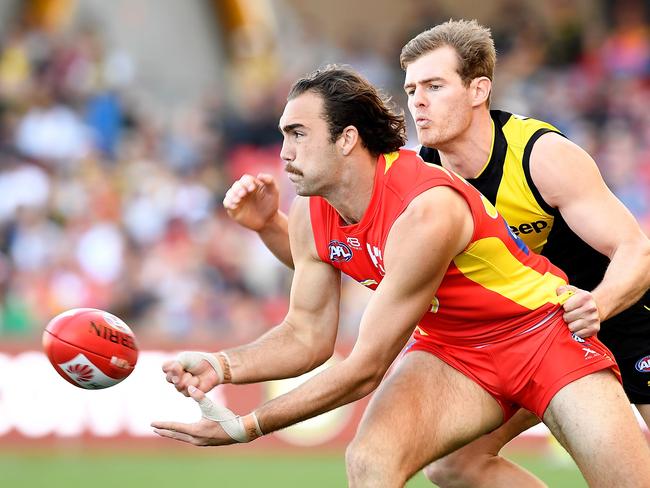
348,140
480,90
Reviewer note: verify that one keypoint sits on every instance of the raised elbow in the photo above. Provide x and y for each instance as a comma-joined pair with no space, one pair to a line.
318,354
645,252
370,375
321,355
636,251
641,249
372,383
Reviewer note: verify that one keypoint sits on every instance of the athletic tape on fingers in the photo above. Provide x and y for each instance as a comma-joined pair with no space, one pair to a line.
190,359
241,429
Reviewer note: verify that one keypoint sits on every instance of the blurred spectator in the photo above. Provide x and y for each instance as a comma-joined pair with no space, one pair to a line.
51,130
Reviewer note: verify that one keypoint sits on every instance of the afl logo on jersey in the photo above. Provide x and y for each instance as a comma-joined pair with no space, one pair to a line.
643,365
339,251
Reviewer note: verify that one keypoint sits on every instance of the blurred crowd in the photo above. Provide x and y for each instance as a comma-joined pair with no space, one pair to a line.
106,205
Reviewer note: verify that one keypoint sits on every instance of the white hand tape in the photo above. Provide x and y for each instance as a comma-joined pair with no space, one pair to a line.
190,359
231,423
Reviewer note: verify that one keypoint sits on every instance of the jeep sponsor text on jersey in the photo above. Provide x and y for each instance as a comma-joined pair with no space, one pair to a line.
528,228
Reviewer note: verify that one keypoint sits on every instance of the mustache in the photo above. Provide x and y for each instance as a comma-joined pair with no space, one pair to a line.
292,169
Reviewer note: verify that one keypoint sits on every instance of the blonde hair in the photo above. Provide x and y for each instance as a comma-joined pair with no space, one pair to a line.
472,42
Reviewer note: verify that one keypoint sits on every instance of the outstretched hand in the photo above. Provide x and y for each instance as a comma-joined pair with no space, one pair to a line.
580,311
212,430
253,201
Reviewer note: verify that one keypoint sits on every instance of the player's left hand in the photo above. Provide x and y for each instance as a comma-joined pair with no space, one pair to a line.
580,311
206,432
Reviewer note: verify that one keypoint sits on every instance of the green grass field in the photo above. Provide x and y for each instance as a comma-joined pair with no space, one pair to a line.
170,469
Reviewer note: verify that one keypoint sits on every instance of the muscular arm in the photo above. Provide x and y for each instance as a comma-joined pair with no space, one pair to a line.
253,202
305,339
568,179
403,296
275,236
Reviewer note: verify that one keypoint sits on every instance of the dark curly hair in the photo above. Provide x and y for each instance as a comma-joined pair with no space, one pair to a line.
350,99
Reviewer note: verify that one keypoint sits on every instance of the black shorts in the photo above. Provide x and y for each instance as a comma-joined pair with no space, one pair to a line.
627,335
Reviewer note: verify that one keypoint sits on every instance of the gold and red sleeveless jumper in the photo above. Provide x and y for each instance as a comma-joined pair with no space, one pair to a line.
496,316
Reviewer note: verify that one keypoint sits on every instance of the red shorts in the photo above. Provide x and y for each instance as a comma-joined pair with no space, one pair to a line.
525,370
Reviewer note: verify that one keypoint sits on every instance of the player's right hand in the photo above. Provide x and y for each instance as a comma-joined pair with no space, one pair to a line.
253,201
580,311
198,369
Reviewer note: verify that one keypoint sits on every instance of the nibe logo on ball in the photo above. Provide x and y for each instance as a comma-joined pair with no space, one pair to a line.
643,365
80,370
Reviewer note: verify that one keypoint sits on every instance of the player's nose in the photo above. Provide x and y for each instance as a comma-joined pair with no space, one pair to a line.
419,99
287,153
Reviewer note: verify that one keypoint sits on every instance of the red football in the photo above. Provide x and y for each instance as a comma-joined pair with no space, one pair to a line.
90,348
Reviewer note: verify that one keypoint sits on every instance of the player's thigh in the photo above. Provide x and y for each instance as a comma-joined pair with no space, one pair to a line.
424,410
464,462
593,419
492,442
521,421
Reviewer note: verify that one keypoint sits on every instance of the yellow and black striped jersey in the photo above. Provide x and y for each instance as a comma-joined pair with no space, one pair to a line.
506,182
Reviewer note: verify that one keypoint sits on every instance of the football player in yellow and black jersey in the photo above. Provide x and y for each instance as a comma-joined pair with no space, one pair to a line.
507,182
550,192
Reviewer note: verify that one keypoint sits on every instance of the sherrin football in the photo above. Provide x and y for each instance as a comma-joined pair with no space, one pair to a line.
90,348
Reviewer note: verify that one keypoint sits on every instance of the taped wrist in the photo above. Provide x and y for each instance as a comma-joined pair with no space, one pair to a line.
251,426
242,429
224,362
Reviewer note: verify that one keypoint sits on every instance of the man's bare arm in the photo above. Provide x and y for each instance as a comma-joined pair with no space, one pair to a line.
253,202
305,338
569,180
399,302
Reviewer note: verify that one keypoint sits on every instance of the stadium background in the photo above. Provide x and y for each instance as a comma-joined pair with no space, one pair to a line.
122,124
